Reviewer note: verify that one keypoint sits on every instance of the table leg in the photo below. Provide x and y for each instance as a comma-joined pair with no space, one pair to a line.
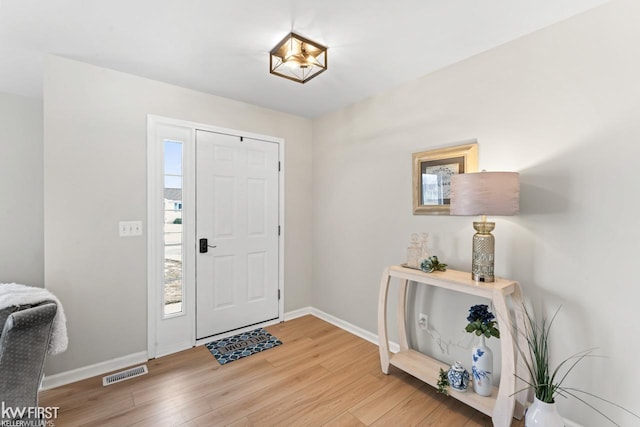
382,321
402,315
521,345
503,411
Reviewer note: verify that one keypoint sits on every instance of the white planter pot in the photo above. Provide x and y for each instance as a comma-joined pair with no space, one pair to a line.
541,414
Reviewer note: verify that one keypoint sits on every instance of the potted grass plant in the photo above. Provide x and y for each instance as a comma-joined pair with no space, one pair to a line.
548,382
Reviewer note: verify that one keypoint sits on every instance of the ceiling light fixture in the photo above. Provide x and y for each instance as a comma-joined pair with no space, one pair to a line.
298,59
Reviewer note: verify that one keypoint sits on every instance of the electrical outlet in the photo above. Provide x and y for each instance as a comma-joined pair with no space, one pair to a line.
423,321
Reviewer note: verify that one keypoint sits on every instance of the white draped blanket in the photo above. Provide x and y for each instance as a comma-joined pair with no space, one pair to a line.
13,294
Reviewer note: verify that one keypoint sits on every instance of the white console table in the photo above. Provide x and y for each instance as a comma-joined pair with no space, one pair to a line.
503,404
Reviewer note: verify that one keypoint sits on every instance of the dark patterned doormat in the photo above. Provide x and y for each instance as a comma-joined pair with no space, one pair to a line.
242,345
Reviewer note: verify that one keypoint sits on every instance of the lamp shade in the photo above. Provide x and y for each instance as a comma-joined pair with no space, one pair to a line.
485,193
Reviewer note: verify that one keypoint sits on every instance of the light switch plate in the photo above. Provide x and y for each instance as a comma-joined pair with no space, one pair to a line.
130,228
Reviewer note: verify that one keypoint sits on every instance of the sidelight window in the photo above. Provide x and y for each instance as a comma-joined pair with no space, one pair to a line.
173,289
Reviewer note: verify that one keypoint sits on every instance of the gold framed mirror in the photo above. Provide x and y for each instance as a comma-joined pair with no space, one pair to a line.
432,172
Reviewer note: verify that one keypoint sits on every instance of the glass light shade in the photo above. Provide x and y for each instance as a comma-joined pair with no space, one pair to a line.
298,59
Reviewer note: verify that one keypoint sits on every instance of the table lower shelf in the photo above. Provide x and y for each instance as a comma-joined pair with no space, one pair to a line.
427,369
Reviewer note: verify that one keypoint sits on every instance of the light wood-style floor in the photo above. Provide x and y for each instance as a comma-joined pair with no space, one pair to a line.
320,376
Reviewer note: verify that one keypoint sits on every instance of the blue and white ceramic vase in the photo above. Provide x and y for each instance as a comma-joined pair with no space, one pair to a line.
458,377
482,368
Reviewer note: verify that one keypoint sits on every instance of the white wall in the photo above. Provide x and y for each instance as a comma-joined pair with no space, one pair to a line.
562,107
95,176
21,235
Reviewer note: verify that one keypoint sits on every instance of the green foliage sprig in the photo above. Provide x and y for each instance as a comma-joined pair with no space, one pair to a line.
443,382
432,264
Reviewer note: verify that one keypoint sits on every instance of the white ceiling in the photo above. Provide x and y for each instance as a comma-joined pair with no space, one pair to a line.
221,46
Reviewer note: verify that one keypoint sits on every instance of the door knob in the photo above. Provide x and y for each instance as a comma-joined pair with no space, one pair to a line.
204,246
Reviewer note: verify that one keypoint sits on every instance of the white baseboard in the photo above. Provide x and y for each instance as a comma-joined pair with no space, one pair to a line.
290,315
85,372
350,327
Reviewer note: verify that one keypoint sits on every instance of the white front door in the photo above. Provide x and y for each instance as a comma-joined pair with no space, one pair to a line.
237,190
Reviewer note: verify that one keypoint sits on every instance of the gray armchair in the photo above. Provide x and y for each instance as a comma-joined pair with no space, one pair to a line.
26,331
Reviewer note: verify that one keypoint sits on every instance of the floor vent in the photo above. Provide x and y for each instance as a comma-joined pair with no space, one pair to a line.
124,375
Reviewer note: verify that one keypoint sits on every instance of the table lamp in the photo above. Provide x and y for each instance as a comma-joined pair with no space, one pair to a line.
484,193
